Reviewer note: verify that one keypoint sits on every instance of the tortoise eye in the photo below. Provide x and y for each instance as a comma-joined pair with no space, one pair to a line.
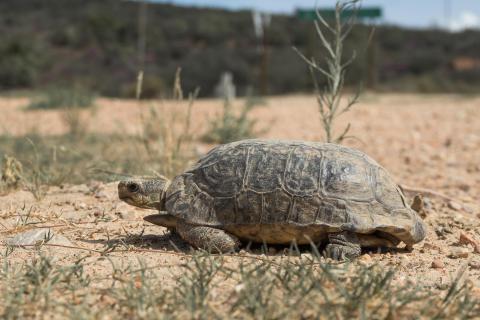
133,187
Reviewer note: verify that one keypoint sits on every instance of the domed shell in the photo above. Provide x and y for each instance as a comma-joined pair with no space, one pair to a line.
296,185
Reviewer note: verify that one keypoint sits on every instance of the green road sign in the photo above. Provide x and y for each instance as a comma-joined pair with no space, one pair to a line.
363,13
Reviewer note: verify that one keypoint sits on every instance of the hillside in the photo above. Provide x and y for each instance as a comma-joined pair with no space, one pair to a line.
94,44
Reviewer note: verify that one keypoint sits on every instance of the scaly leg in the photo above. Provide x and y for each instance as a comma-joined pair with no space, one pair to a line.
208,238
343,245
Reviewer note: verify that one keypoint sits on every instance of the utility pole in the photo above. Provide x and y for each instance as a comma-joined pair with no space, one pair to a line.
141,45
372,14
448,14
142,30
261,21
371,62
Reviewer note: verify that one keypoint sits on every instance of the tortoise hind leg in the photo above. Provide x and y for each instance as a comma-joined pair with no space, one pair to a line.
208,238
343,245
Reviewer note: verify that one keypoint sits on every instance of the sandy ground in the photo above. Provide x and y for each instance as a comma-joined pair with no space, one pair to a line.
423,141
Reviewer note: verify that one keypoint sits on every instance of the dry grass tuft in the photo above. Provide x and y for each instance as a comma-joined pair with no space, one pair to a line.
229,126
166,135
208,287
329,99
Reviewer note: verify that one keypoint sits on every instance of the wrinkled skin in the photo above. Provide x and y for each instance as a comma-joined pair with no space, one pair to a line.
144,193
150,194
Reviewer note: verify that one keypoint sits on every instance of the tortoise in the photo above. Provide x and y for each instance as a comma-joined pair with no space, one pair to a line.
277,192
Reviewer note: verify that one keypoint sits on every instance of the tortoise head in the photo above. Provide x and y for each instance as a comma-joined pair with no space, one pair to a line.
147,193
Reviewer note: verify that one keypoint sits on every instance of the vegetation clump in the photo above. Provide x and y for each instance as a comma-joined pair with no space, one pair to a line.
229,126
62,98
11,175
166,134
330,98
208,286
96,40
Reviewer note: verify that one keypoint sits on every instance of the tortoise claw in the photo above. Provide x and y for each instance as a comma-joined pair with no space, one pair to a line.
343,246
339,252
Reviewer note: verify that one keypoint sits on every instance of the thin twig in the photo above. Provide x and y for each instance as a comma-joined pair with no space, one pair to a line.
427,192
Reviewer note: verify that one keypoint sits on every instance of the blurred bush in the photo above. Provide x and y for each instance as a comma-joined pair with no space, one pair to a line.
19,62
230,126
95,43
63,98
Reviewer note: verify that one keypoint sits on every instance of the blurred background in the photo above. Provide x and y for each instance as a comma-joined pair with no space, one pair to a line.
89,89
100,45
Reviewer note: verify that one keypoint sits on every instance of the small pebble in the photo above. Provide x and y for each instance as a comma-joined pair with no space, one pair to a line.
239,288
458,253
475,265
428,245
100,195
80,206
365,258
438,264
454,205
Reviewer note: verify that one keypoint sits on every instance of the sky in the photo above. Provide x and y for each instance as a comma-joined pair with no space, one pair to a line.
454,14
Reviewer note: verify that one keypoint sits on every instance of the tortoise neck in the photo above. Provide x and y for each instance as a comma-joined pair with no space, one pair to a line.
163,196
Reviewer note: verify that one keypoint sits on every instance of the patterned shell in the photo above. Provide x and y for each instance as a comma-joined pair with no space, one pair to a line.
293,183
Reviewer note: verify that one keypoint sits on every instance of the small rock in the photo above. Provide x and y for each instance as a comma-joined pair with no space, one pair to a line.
239,288
468,209
442,231
419,206
475,265
467,239
100,195
448,142
38,236
126,215
95,185
60,240
438,264
365,258
458,253
431,246
454,205
99,213
80,206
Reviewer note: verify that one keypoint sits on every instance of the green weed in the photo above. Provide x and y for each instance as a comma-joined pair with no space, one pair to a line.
229,126
216,287
62,98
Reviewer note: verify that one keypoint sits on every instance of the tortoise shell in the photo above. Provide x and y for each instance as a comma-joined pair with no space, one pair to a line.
277,191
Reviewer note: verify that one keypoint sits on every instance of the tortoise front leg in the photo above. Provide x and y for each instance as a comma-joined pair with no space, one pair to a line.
343,245
208,238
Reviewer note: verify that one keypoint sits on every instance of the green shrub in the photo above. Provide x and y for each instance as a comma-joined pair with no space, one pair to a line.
63,98
229,126
19,62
